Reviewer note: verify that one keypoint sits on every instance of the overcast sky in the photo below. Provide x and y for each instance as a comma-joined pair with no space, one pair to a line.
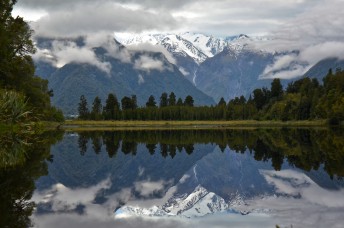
216,17
314,27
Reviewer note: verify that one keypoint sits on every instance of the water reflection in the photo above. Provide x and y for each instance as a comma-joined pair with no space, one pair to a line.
303,148
21,163
162,178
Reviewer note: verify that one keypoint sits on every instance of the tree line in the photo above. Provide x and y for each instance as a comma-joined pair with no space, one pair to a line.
304,99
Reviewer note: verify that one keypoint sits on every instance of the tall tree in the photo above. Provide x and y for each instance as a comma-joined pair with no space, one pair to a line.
151,102
17,70
111,109
172,99
180,102
83,109
133,102
126,103
96,108
163,100
189,101
276,88
222,102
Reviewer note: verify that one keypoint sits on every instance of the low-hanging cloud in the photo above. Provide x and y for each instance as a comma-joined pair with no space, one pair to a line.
69,52
147,63
315,35
153,48
295,65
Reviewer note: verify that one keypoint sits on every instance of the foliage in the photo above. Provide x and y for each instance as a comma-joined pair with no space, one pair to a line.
16,65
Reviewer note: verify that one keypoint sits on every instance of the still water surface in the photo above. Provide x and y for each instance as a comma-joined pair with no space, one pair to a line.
174,178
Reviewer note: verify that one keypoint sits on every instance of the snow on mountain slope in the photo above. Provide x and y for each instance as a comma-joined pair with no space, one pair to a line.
197,46
207,44
177,45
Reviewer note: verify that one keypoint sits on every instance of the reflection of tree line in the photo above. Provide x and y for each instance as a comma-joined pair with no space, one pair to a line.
303,148
22,161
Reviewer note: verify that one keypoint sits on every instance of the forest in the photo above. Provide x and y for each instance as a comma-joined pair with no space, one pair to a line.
304,99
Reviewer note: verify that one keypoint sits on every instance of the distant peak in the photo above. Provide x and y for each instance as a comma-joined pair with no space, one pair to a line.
243,36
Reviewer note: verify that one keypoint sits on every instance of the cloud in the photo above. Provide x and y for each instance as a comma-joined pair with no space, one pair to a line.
153,48
64,52
147,63
315,34
294,65
97,17
108,42
148,188
226,17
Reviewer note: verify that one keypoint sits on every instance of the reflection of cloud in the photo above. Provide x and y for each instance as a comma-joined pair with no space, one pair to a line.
293,183
63,198
300,201
148,188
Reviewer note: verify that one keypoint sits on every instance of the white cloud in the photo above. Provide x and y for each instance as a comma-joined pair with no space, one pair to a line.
153,48
147,63
69,52
147,188
108,42
98,17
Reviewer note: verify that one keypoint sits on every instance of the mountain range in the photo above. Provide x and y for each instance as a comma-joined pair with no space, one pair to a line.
205,67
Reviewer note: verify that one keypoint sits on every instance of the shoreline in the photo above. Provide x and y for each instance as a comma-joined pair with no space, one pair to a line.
72,125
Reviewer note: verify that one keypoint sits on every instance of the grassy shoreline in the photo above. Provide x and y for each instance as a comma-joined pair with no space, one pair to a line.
99,125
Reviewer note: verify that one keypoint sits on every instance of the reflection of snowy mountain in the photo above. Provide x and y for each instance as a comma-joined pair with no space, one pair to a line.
199,203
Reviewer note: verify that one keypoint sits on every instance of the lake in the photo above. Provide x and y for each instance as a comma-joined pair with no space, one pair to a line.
173,178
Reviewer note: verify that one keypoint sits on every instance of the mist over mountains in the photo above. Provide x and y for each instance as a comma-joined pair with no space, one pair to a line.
205,67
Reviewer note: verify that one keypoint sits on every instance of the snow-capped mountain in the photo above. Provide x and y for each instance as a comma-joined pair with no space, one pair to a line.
197,204
197,46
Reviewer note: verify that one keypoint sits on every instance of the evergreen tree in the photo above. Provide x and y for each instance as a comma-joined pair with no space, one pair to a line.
189,101
151,102
111,109
126,103
163,100
83,109
96,108
133,102
179,102
276,88
172,99
222,102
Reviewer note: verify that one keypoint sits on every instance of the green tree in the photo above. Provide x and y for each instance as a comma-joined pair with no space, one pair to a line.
96,108
172,99
163,100
222,102
111,109
126,103
16,65
151,102
276,88
179,102
189,101
83,109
